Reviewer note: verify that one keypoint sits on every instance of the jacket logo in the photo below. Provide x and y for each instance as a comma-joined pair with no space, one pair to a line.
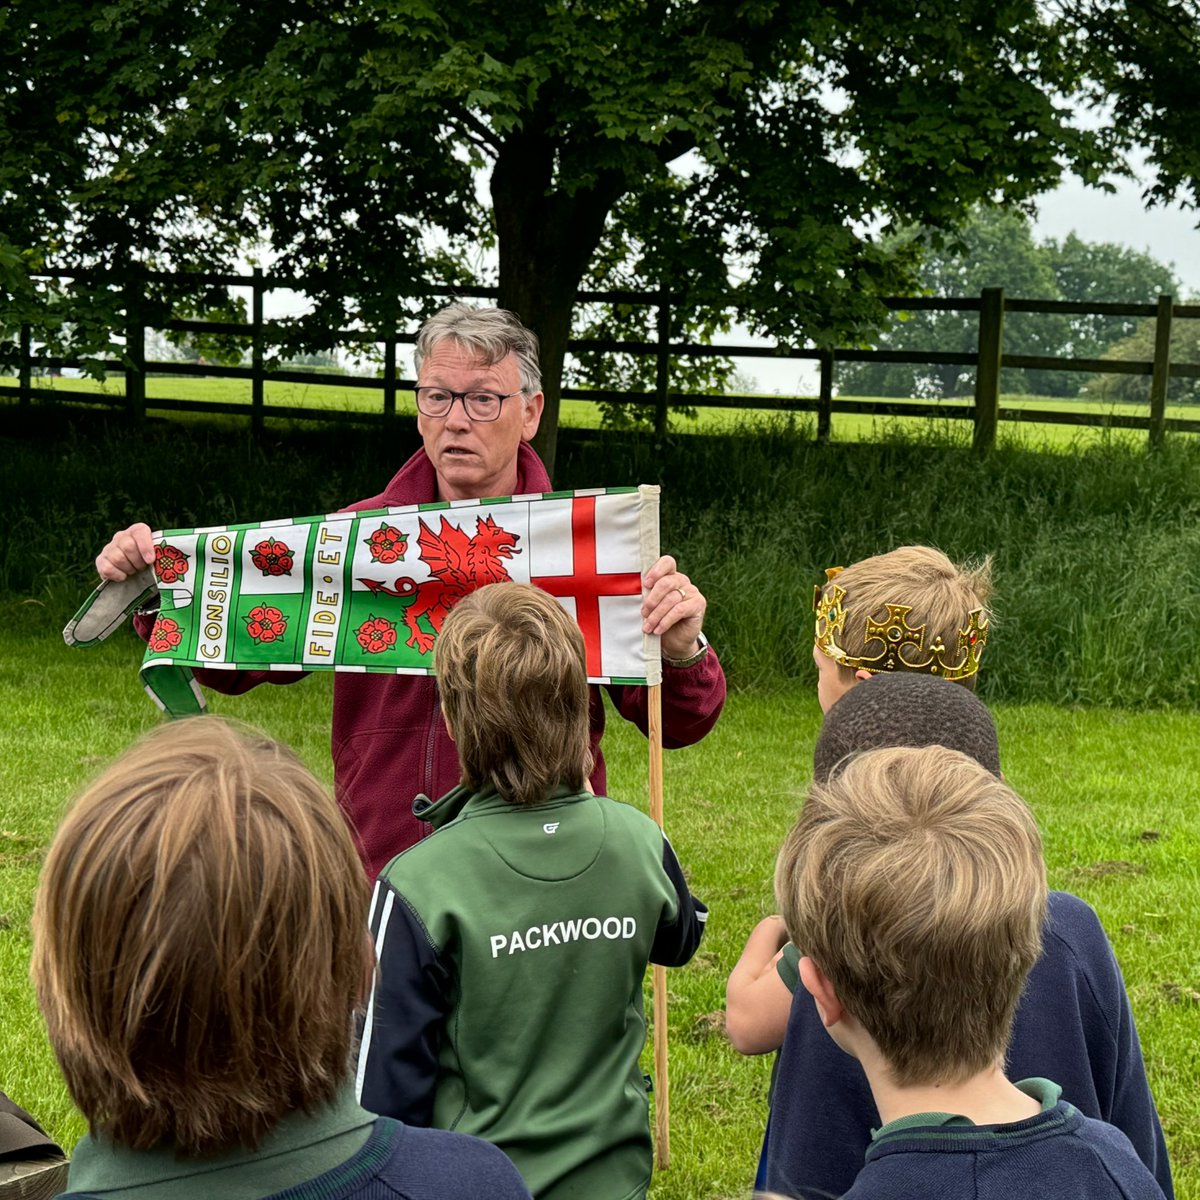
550,826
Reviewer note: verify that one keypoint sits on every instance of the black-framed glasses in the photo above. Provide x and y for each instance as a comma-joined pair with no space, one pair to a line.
479,406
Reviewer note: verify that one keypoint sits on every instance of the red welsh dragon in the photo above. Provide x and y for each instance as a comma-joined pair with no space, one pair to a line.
459,564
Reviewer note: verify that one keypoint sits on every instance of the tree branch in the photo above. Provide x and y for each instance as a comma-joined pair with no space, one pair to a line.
478,132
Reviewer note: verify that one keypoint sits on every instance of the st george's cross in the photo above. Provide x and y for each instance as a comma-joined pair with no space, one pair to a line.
586,589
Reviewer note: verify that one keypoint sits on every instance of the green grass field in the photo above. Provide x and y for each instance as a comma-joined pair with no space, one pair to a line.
1114,792
579,414
1097,585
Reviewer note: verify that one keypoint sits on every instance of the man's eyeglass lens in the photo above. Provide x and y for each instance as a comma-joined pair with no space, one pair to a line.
480,406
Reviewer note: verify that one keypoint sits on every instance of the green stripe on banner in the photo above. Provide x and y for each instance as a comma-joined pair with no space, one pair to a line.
356,528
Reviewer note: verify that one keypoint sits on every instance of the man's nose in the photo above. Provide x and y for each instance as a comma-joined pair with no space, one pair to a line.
457,417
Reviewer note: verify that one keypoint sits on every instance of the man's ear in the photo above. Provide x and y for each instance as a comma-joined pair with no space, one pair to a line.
533,415
817,984
862,673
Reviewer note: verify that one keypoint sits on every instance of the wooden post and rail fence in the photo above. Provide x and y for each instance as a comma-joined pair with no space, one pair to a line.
988,360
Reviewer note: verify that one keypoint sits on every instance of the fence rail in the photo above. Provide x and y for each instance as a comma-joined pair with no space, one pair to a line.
988,360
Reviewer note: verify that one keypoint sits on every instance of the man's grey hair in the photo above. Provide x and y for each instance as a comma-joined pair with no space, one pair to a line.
488,333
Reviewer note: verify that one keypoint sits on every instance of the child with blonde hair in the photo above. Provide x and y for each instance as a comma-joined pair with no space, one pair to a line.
914,882
911,609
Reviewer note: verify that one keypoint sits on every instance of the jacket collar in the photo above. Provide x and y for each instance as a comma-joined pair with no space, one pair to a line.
442,811
416,481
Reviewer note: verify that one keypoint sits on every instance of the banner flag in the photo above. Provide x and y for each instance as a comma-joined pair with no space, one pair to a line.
368,591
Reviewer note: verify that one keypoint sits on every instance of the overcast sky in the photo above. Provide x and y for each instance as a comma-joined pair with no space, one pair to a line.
1169,233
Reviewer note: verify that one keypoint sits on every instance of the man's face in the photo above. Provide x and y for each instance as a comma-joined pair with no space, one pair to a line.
833,682
474,459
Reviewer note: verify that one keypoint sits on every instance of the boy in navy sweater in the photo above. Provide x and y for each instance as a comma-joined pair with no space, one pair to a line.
914,880
1073,1022
200,950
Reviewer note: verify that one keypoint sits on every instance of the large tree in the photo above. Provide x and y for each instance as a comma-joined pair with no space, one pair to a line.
744,153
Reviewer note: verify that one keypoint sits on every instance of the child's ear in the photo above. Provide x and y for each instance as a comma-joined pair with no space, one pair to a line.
817,984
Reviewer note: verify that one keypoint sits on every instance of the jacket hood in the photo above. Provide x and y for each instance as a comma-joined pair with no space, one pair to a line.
444,809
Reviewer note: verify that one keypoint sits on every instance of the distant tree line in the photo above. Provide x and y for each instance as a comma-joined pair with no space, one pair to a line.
997,248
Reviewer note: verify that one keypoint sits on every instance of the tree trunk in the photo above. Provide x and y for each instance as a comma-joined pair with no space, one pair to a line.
948,375
546,241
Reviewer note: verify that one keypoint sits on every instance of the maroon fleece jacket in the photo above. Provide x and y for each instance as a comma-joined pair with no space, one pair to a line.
389,739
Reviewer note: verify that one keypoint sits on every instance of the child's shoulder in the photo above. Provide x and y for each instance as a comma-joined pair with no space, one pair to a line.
1059,1152
1075,942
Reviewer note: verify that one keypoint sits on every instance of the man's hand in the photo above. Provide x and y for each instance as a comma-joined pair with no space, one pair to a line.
673,607
130,551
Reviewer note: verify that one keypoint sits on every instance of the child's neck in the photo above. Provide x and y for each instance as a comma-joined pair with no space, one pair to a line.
986,1099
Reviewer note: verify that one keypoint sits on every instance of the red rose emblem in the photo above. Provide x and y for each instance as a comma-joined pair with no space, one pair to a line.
170,564
265,623
387,544
376,634
165,635
272,557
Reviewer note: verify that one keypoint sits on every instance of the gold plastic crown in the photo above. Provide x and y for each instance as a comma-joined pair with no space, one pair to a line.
903,644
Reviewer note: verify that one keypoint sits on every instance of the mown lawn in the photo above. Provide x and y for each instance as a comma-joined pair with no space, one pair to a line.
580,414
1115,792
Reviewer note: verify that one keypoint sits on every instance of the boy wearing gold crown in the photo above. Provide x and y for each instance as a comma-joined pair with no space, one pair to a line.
909,610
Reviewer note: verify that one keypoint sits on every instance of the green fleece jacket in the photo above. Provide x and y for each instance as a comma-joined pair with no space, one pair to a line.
508,995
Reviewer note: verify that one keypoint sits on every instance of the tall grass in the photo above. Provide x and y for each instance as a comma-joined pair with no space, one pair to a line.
1096,554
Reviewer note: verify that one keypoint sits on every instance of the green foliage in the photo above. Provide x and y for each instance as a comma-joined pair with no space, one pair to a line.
1139,345
996,248
740,153
1103,271
1139,60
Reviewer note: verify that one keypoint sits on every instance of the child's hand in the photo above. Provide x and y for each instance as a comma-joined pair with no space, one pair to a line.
757,1001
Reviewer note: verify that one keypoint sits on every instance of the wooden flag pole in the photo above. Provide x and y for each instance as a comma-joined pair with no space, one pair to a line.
662,1086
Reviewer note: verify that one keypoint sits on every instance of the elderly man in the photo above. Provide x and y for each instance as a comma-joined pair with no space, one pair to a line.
479,401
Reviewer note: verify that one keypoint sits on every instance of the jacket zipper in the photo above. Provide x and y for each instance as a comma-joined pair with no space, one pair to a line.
430,747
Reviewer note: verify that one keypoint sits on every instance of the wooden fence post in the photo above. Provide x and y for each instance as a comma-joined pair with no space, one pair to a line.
662,364
1162,371
135,349
257,383
825,398
25,367
987,373
389,376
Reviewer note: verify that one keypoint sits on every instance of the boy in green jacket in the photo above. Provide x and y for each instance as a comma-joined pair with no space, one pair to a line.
512,942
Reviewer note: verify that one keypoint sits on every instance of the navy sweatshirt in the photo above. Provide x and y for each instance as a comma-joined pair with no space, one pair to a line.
1058,1154
1073,1025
